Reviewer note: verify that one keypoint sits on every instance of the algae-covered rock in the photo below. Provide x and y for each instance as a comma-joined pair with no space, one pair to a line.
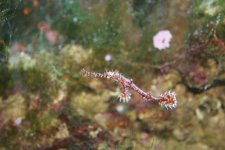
76,53
89,104
13,109
21,59
211,7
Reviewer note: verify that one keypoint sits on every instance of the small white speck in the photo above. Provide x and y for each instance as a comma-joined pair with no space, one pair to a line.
120,108
108,57
75,19
18,121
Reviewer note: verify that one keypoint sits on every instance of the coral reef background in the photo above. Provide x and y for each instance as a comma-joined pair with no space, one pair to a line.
46,104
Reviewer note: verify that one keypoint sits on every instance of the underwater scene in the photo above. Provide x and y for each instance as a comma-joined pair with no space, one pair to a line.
112,74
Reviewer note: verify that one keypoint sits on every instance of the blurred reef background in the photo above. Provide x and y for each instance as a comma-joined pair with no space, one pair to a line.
45,103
